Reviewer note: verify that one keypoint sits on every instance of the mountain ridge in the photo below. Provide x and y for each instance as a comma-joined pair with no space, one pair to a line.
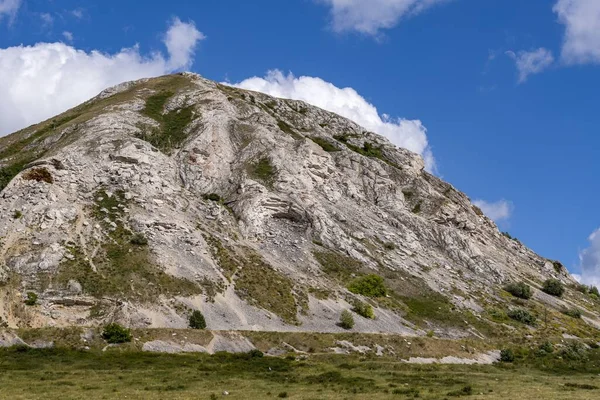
176,193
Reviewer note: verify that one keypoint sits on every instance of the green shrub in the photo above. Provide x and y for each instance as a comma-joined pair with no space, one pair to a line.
389,246
553,287
369,285
325,145
574,351
32,299
139,240
521,315
507,355
263,171
594,290
17,214
346,320
546,348
212,197
115,333
572,312
363,309
255,353
558,267
520,290
282,395
197,320
465,391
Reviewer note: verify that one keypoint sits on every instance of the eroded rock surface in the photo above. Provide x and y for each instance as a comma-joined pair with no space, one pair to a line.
177,193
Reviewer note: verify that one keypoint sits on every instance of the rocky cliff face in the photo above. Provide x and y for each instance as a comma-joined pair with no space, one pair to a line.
177,193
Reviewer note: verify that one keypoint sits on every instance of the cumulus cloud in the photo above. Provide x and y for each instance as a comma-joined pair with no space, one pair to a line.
45,79
581,19
181,39
589,259
531,62
9,8
369,17
410,134
497,211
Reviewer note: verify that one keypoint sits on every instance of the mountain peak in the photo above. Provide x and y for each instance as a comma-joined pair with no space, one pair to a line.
176,193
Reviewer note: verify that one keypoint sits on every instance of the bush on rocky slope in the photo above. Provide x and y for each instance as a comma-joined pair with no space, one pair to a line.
520,290
553,287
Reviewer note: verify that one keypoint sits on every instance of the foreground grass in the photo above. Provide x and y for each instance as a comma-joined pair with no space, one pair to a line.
71,374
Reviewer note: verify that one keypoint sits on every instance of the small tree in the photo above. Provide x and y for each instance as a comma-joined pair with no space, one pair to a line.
507,356
522,316
32,299
553,287
369,285
520,290
139,240
346,320
363,309
572,312
197,320
115,333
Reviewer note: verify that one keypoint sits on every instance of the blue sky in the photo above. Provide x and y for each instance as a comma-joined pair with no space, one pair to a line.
507,90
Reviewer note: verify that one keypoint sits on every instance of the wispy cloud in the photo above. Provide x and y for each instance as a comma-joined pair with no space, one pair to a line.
498,211
409,134
77,13
47,19
581,18
45,79
370,17
531,62
68,35
9,8
590,261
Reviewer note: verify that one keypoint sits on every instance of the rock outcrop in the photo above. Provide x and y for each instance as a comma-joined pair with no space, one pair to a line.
177,193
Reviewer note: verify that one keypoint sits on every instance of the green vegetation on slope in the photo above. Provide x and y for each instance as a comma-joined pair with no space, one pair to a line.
263,171
367,150
259,284
124,269
325,144
171,133
29,144
255,280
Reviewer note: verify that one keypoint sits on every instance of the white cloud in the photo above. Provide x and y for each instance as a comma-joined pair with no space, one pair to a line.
181,39
68,35
47,19
45,79
9,8
531,62
590,261
369,17
77,13
410,134
497,211
581,18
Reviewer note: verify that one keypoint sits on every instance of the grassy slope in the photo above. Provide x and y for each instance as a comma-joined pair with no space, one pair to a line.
68,374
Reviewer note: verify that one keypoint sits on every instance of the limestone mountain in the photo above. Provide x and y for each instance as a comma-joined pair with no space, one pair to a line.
173,194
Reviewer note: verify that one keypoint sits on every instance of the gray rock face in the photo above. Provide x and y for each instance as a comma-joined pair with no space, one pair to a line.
287,181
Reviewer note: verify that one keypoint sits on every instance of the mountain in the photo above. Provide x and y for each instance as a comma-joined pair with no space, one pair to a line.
173,194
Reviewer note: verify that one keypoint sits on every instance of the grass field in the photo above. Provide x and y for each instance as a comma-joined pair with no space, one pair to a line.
71,374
